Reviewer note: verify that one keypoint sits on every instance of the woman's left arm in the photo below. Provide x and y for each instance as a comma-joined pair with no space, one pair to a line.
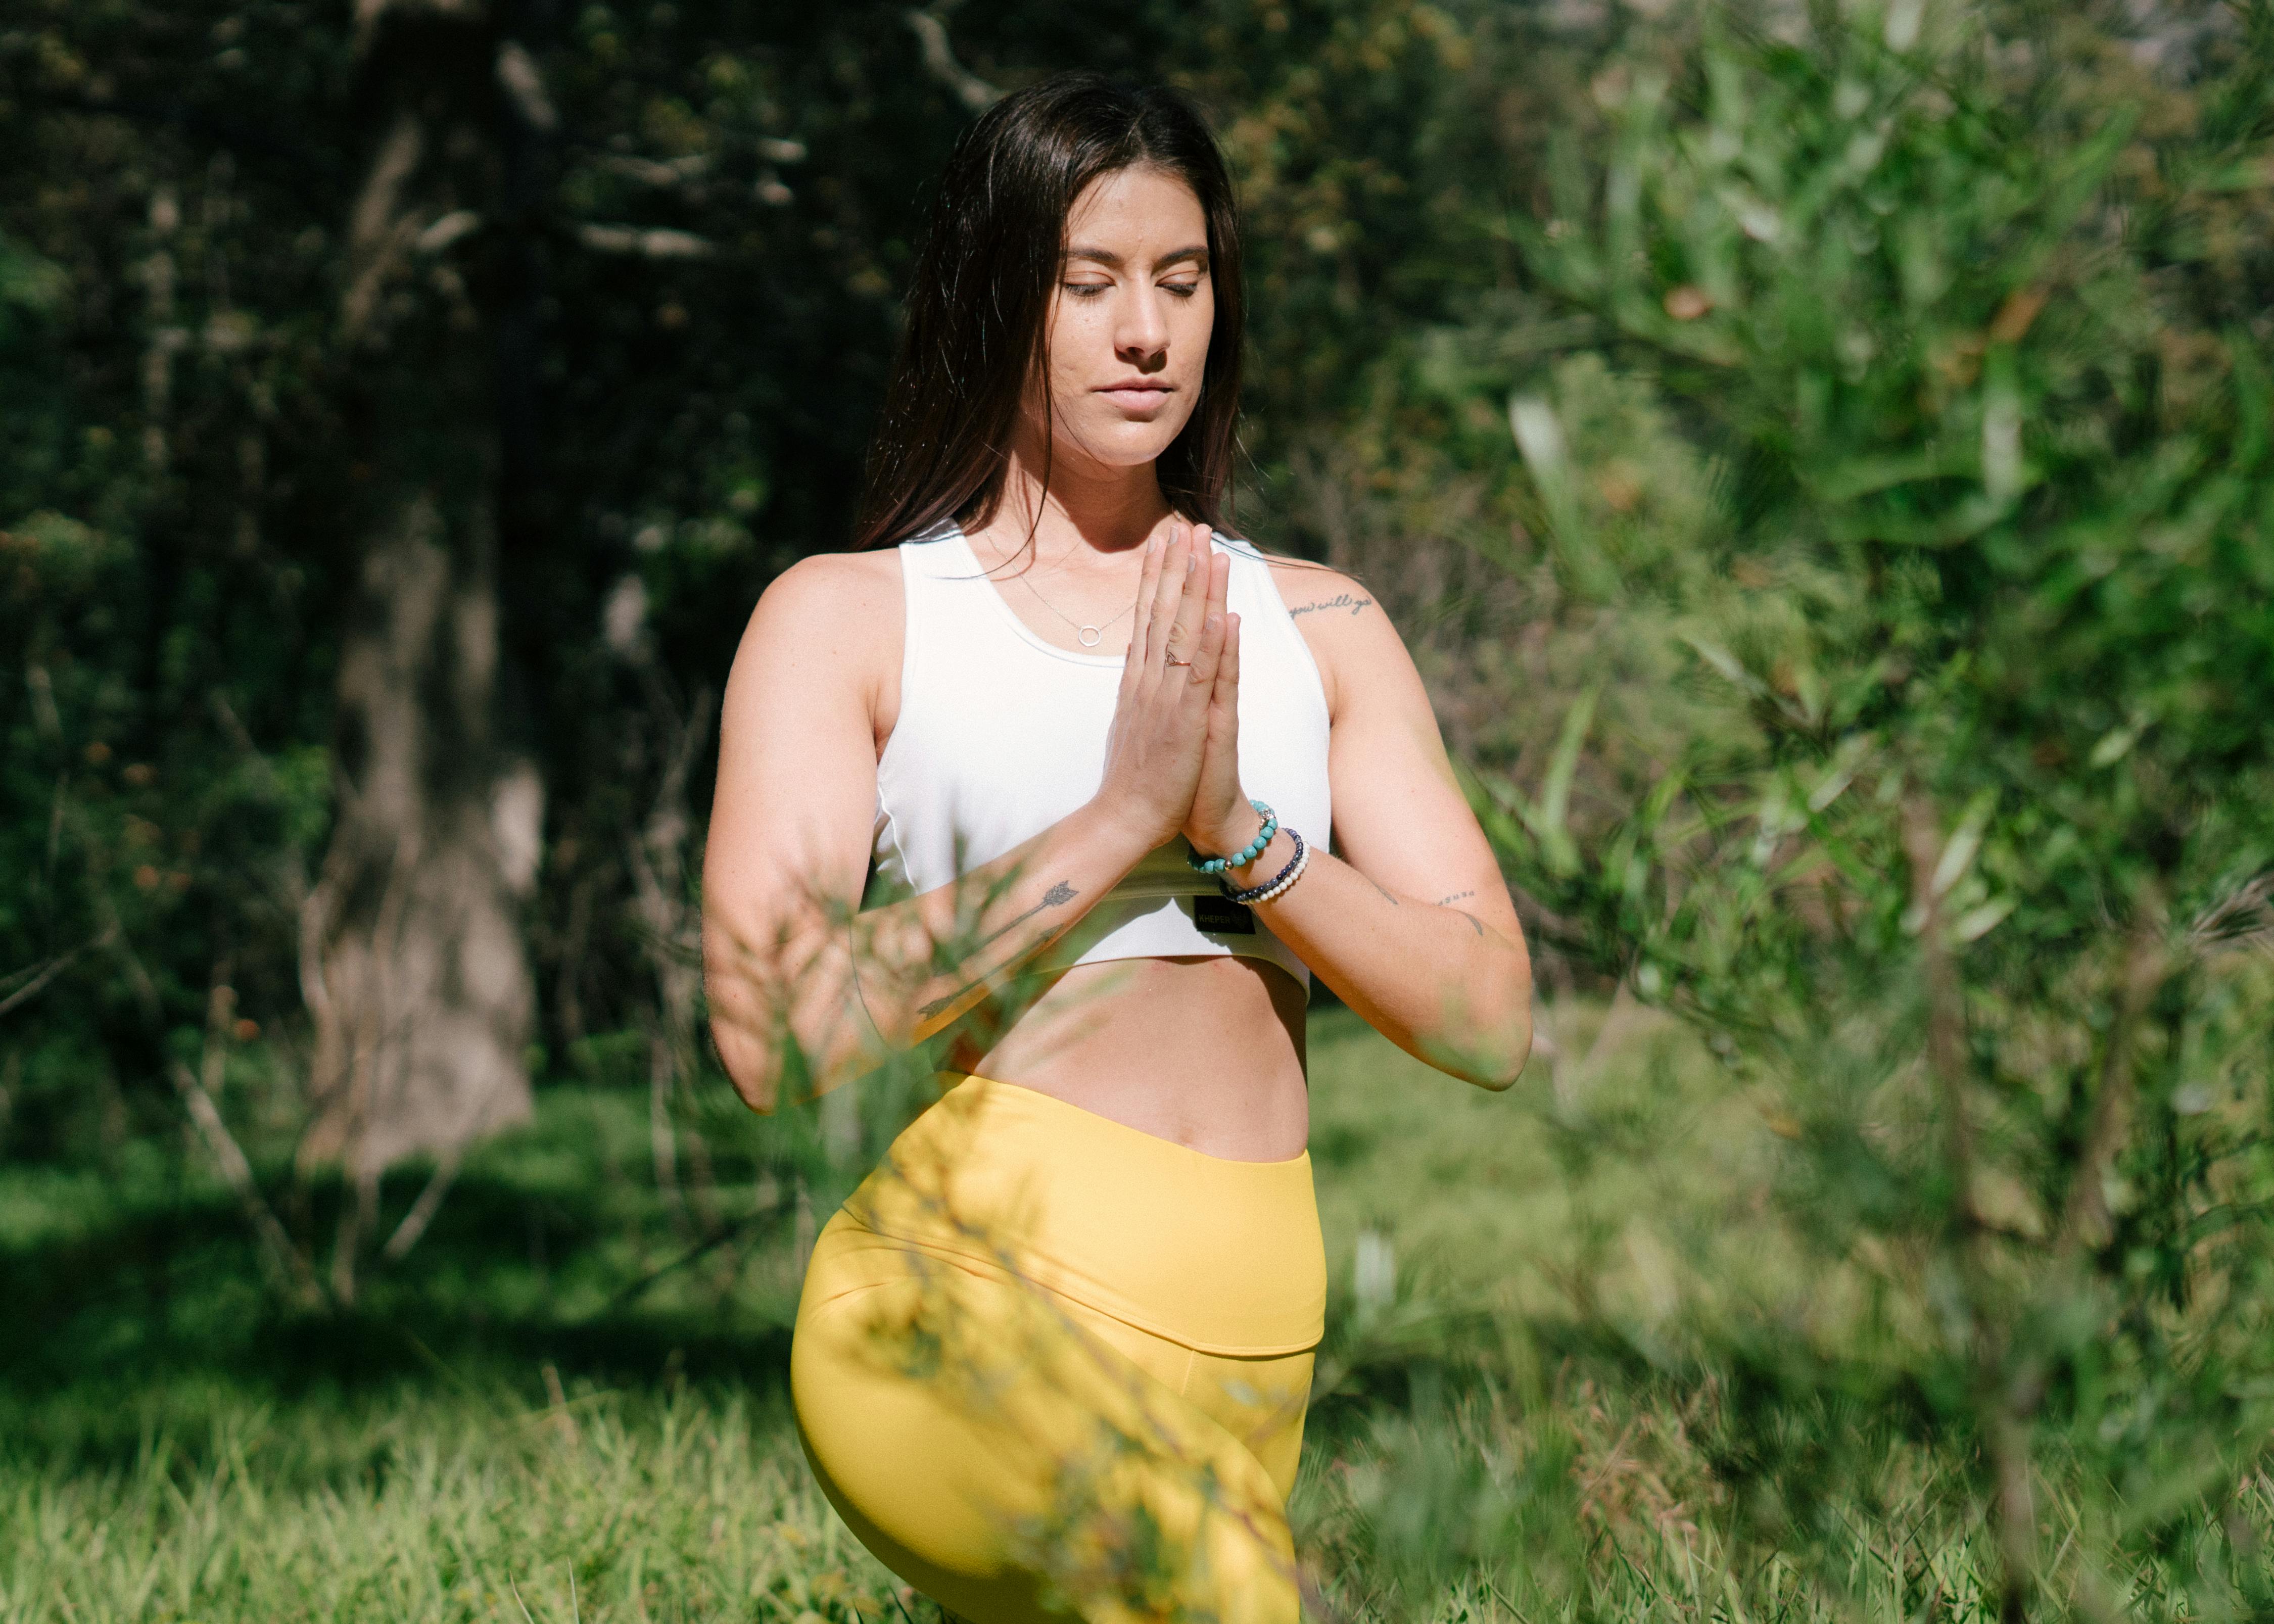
1411,926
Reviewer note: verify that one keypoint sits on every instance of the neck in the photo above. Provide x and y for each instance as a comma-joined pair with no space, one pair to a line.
1089,504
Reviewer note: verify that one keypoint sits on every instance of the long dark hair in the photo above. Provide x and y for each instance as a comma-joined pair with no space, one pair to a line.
982,291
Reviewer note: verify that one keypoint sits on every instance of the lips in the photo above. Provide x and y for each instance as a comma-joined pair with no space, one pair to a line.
1137,394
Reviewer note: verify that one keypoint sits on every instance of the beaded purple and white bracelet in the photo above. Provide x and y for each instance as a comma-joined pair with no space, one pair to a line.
1278,882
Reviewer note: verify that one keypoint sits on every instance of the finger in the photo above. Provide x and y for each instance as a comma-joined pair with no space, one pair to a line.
1201,680
1210,646
1192,602
1152,626
1224,694
1166,590
1174,629
1141,614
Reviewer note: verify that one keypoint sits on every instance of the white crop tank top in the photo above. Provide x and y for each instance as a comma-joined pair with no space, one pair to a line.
1002,733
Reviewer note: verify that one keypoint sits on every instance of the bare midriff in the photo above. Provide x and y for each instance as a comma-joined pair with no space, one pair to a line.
1207,1053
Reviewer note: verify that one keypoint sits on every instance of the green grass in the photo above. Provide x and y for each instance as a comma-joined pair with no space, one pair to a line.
1517,1199
411,1504
174,1447
564,1406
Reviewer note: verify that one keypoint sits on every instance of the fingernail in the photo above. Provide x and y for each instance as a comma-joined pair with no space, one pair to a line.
1213,622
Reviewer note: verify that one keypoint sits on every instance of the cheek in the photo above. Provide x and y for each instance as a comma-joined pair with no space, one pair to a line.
1066,341
1075,336
1193,332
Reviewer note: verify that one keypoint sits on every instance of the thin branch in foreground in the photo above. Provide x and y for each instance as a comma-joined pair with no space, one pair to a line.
197,1089
2242,917
629,1293
658,243
42,975
524,84
2086,1219
2013,1511
929,26
422,1211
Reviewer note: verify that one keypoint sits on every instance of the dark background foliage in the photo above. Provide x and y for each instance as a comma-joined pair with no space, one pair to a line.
1820,455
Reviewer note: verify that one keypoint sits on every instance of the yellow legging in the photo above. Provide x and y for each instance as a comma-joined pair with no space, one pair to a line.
1046,1365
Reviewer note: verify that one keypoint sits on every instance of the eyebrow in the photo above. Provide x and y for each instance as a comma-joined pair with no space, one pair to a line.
1101,256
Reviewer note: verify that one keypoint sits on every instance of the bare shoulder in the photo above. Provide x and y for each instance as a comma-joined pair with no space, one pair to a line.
833,599
1350,636
830,584
833,620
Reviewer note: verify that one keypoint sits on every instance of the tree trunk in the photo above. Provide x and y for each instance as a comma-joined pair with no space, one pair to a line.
425,1005
425,971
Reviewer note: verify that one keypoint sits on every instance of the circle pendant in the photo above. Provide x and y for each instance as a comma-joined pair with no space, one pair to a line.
1091,635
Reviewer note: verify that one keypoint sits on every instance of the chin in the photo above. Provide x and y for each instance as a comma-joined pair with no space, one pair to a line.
1123,444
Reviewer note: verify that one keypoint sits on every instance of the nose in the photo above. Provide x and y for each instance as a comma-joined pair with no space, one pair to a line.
1141,335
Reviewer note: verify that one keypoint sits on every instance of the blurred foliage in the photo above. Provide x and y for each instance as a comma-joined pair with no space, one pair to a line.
1820,455
1905,596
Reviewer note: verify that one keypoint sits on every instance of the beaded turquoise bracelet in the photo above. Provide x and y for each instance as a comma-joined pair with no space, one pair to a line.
1240,858
1277,886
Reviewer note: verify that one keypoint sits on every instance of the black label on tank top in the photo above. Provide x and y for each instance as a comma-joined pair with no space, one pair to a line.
1226,918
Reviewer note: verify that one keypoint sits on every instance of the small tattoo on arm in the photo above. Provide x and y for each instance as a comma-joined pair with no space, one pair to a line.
1340,600
1056,897
1455,896
1384,890
937,1004
1472,918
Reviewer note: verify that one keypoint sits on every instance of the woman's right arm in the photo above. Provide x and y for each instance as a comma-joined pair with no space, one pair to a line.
788,957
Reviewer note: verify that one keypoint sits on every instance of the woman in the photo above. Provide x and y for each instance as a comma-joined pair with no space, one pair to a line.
1052,1357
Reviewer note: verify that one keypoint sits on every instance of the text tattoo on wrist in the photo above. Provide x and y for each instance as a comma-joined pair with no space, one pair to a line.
1340,600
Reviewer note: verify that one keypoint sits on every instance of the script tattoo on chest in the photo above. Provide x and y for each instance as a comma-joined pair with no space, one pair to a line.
1340,600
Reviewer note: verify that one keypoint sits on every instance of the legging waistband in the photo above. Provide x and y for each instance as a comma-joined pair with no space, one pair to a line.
1223,1257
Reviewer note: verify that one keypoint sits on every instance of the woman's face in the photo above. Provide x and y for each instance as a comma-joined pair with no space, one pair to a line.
1129,328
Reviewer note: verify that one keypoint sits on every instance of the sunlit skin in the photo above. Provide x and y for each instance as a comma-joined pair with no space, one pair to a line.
1128,337
1409,922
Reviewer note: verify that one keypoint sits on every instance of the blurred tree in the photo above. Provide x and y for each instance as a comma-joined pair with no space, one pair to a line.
422,1000
414,400
412,383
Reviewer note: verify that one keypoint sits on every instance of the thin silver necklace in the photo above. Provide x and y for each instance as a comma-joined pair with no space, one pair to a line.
1089,636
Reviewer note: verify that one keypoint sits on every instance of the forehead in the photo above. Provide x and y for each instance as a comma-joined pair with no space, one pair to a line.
1135,210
